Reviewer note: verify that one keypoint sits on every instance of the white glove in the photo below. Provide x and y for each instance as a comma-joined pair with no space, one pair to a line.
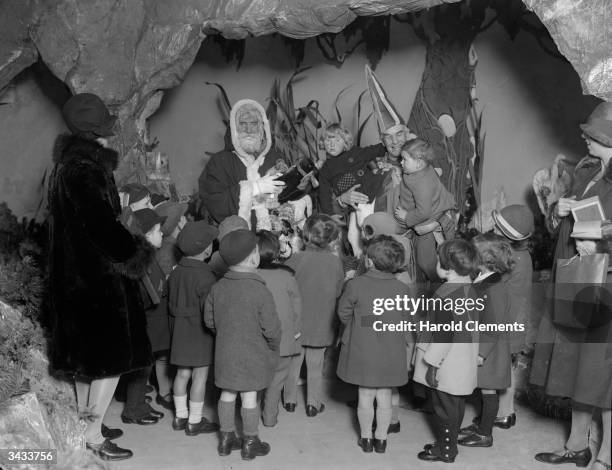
267,184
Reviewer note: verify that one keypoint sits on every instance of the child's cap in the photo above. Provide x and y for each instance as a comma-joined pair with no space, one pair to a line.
236,246
515,222
231,223
157,199
173,211
147,219
196,237
136,192
379,223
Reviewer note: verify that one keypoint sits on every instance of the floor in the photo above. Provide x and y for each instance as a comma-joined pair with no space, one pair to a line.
328,441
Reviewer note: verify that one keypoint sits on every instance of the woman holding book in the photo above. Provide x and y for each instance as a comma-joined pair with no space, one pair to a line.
566,363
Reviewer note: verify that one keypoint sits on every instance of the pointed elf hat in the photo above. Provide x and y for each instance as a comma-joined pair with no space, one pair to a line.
386,115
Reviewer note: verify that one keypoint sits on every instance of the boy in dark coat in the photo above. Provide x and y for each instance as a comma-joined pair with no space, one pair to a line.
94,266
241,311
191,348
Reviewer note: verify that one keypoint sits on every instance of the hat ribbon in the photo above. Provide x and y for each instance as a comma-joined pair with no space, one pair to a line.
511,230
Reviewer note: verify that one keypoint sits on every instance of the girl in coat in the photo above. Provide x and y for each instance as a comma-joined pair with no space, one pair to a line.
494,353
281,282
370,357
320,277
446,362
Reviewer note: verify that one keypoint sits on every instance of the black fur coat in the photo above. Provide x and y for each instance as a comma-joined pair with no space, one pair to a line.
99,324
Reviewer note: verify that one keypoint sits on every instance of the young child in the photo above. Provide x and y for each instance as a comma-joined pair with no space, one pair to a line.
134,197
241,312
281,282
370,358
494,358
320,277
191,348
516,224
227,225
158,325
345,167
152,286
426,206
446,362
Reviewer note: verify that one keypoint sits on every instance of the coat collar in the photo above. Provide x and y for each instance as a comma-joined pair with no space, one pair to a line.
191,263
376,274
238,275
492,278
72,147
449,287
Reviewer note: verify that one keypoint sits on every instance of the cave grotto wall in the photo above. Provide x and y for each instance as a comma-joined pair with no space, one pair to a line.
129,50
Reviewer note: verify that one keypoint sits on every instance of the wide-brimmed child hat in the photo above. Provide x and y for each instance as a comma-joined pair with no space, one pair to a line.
515,222
196,237
147,219
173,211
236,246
135,191
379,223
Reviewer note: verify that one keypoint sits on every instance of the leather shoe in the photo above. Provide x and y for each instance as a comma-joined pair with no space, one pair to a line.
380,446
252,447
506,422
165,402
366,444
476,440
429,446
580,457
393,428
466,431
290,407
311,411
203,427
429,457
228,441
144,421
179,424
110,434
156,414
109,451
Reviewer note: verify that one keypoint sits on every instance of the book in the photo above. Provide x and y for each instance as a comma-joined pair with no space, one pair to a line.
588,209
587,229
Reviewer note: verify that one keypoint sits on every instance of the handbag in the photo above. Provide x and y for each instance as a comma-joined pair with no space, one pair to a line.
579,284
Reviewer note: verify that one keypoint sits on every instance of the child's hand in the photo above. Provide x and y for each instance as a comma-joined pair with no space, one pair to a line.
430,376
564,206
400,213
480,360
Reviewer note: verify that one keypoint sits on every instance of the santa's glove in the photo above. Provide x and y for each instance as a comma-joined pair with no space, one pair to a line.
267,185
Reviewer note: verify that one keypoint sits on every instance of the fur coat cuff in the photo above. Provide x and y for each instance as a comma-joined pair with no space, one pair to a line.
136,266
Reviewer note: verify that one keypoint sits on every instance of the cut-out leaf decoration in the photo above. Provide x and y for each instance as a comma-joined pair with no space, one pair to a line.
447,124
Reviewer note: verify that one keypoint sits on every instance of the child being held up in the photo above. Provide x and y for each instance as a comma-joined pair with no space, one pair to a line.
240,310
426,206
285,291
446,361
374,360
320,277
494,354
191,347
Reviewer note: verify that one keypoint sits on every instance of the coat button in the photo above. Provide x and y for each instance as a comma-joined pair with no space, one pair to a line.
447,439
360,173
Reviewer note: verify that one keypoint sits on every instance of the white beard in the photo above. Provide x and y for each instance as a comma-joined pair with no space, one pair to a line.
250,143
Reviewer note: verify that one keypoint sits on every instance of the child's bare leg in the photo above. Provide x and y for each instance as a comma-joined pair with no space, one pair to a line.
395,400
179,389
354,235
196,393
506,397
365,411
606,444
383,411
162,372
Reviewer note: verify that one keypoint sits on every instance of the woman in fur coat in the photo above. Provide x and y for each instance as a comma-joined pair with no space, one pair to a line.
99,325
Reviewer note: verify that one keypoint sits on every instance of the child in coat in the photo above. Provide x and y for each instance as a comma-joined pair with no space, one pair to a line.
241,312
370,357
320,277
516,224
281,282
426,206
494,356
152,287
191,348
347,167
446,362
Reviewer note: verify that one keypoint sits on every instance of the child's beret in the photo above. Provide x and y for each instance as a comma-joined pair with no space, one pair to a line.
196,237
236,246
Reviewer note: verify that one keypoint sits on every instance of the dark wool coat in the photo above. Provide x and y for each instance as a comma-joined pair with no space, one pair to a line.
99,325
494,374
188,286
559,353
154,291
241,311
320,277
372,358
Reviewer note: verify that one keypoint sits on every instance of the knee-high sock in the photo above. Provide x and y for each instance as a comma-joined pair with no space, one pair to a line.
227,415
100,395
383,419
365,417
395,399
250,421
490,405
